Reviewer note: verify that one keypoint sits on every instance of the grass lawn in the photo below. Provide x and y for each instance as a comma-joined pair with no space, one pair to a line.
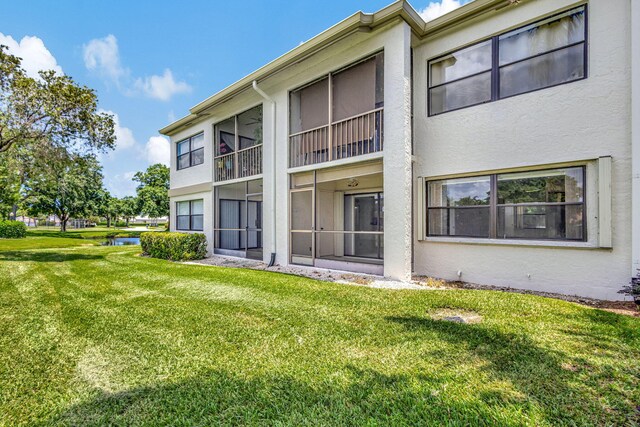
93,335
52,237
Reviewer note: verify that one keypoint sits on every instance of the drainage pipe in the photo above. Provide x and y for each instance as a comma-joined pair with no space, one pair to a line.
272,208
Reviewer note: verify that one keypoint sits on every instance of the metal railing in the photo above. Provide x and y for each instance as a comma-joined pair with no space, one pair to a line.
350,137
239,164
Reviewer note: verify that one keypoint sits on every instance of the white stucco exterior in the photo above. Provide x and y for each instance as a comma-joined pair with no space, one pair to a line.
572,124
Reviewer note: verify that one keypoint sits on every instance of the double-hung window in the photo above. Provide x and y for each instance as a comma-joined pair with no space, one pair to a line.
189,215
534,205
540,55
190,151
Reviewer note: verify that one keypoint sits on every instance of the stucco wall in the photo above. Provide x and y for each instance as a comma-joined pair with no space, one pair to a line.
394,39
577,121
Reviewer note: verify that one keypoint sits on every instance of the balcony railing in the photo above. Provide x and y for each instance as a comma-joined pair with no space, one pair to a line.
350,137
240,164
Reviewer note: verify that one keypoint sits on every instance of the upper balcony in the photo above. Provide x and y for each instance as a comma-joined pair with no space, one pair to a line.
238,146
338,116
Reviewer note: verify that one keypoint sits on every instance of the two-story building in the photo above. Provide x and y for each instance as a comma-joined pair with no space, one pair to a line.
498,144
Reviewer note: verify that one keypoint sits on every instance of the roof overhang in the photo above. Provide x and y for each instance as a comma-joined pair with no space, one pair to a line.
357,22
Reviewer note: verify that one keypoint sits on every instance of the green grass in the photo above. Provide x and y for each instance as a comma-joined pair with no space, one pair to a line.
50,237
98,335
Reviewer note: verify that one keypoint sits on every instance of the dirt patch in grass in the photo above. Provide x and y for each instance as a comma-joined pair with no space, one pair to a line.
455,315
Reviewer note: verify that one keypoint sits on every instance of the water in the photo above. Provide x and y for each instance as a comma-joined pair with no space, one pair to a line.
122,241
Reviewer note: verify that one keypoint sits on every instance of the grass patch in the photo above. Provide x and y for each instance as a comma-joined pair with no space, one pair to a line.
84,233
98,335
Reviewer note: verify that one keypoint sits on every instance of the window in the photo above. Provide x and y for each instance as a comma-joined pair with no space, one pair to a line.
190,215
190,151
544,54
537,205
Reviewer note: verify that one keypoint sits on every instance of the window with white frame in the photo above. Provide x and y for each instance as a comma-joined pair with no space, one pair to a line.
535,205
190,215
190,151
546,53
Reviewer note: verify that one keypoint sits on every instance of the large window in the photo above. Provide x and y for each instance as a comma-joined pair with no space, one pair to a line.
190,151
189,215
544,54
537,205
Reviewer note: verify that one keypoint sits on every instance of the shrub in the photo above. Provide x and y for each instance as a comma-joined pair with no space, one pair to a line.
174,246
633,289
13,230
121,224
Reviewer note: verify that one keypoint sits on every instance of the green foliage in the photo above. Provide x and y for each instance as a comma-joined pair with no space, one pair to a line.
153,191
13,230
174,246
9,184
128,208
51,111
68,187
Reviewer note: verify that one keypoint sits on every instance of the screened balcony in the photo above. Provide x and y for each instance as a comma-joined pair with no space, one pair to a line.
336,218
339,116
238,146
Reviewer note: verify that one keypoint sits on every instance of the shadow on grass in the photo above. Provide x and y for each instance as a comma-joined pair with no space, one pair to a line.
29,256
54,233
545,392
87,235
543,376
219,398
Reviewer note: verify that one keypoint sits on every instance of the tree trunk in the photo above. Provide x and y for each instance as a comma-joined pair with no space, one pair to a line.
127,222
108,222
63,225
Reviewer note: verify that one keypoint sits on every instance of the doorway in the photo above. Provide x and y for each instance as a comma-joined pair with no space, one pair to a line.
238,230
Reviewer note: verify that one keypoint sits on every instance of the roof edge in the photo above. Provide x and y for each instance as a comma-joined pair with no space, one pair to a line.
356,22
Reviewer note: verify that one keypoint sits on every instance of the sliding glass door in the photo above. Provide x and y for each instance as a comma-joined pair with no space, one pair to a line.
364,215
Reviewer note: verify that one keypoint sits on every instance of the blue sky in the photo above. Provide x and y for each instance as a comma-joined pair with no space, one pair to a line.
150,61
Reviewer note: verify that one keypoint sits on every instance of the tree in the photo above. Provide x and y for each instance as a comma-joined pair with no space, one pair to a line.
68,187
9,185
153,191
108,207
129,208
51,110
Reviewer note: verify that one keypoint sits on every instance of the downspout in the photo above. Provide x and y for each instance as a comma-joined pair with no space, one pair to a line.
635,137
272,209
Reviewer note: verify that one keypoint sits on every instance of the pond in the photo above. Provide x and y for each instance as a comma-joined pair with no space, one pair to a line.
121,241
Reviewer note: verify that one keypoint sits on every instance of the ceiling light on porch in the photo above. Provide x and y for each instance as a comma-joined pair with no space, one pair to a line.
352,183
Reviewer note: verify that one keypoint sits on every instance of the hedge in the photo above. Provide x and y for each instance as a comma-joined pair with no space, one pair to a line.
13,230
174,246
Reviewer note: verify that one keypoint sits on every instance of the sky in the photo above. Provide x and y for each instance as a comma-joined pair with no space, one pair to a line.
150,61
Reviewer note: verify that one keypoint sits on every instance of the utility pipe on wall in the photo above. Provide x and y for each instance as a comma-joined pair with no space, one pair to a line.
635,137
272,209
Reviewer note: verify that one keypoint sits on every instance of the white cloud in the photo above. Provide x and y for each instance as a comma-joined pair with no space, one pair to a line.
35,56
162,87
124,136
436,8
121,184
158,150
102,56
